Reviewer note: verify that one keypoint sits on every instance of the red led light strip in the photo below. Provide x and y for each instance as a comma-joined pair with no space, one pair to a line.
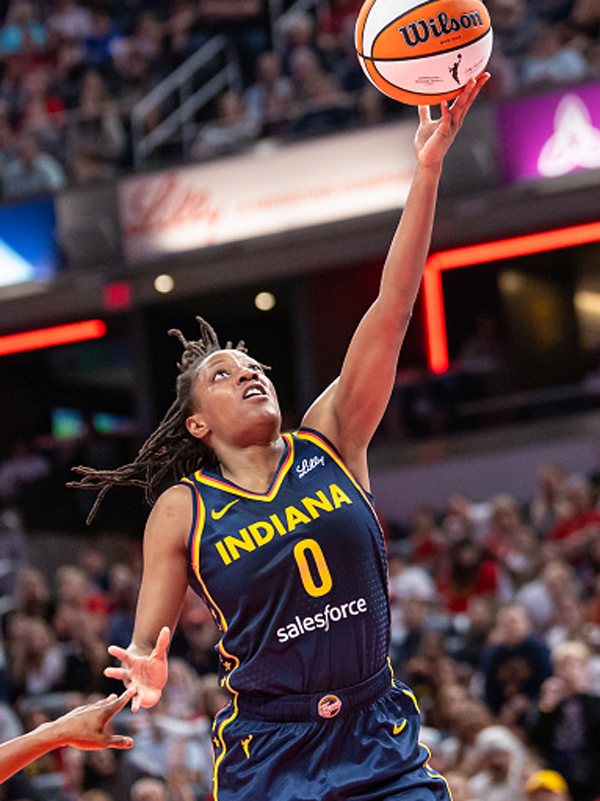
49,337
435,320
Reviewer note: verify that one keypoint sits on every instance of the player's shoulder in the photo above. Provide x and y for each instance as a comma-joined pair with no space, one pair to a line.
175,501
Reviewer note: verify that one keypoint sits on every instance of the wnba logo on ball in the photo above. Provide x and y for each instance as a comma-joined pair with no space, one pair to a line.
419,32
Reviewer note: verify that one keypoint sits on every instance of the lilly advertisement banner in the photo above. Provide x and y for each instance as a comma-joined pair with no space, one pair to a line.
277,189
549,135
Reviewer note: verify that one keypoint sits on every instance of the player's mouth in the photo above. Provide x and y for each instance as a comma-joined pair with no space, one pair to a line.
255,391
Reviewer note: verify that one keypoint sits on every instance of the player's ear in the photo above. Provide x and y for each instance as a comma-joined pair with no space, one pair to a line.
196,425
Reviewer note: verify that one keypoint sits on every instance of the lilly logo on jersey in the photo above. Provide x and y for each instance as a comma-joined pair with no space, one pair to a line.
262,531
306,465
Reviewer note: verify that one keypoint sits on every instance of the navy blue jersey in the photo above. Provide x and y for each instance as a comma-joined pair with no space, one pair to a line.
295,578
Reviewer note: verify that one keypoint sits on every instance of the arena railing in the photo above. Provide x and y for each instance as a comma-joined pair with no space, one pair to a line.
187,98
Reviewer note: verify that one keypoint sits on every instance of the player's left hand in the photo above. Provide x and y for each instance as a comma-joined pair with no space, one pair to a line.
434,137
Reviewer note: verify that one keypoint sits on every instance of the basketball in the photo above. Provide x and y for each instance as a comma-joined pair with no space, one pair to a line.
421,53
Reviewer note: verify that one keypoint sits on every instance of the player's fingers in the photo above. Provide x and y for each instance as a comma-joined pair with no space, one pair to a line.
119,741
472,89
163,641
122,674
115,703
121,654
424,114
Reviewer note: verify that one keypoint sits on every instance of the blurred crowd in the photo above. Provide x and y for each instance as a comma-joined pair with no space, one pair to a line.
495,627
71,71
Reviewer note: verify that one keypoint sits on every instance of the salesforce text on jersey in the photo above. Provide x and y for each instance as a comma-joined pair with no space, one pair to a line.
321,620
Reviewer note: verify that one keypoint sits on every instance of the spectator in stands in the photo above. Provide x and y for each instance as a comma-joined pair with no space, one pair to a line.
22,32
42,110
546,785
569,622
148,789
72,21
551,61
552,10
407,639
14,550
319,105
100,43
180,30
471,634
149,36
472,718
84,651
333,21
231,131
31,172
73,590
448,702
200,636
463,517
580,521
504,71
499,769
123,588
36,662
584,24
542,596
32,594
133,77
516,25
471,574
543,507
458,784
297,31
428,544
98,141
566,724
512,544
244,22
514,664
268,98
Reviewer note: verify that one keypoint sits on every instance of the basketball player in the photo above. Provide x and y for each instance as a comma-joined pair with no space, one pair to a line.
277,533
83,727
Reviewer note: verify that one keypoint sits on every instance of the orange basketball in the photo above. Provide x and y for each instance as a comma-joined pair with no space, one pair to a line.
423,52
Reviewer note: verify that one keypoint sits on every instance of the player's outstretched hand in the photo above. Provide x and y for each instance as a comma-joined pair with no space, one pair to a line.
145,674
434,137
86,727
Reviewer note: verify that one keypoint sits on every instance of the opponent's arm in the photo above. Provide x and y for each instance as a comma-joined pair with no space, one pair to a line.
350,410
163,588
84,727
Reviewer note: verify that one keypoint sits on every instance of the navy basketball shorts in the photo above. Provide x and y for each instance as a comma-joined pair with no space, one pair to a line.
363,752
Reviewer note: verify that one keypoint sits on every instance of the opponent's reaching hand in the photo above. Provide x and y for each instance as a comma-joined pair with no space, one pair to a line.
146,674
85,727
434,137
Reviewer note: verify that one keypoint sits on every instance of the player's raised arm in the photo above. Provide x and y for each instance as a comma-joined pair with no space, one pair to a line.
350,410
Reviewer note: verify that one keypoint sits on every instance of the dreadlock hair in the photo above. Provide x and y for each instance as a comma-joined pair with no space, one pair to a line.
171,451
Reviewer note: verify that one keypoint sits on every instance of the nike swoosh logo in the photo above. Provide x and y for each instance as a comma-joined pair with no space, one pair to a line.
399,728
218,515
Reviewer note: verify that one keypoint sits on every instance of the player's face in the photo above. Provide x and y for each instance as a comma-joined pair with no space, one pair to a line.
232,396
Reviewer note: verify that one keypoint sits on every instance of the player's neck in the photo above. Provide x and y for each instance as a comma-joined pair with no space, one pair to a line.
252,467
